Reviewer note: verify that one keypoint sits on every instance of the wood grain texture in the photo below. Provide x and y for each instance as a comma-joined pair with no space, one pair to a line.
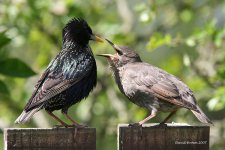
50,138
171,137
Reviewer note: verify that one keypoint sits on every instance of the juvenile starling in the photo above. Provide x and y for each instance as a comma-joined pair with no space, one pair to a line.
69,77
150,87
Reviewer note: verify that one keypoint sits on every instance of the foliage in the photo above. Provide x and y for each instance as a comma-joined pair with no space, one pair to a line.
186,38
15,68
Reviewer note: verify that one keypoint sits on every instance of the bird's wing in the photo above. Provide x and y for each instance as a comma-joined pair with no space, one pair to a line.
165,86
54,82
168,91
37,86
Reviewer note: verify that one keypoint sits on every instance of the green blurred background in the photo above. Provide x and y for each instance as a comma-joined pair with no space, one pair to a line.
184,37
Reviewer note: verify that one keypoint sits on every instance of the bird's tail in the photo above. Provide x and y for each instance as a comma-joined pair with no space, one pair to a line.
201,116
26,115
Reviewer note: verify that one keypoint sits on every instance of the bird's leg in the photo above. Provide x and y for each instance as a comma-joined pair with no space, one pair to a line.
56,118
153,114
74,122
168,117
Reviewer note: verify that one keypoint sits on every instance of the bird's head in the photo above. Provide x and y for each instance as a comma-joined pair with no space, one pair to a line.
78,31
123,55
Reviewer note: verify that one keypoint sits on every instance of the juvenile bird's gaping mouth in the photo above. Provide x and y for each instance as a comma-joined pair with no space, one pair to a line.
111,56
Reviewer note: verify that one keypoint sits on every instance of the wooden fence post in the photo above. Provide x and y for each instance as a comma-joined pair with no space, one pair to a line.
50,138
171,137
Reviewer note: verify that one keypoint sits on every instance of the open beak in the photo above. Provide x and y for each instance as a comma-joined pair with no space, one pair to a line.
97,38
110,56
106,55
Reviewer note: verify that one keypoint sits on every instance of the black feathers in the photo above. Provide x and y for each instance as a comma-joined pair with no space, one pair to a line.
78,31
70,76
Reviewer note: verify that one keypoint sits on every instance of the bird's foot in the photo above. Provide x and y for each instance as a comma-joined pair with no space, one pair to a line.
60,126
162,124
135,125
77,126
80,126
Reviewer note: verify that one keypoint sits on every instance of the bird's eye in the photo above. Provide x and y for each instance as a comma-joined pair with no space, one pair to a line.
119,52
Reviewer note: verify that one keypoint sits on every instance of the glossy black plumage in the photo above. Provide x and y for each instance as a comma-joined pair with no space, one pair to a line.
70,76
150,87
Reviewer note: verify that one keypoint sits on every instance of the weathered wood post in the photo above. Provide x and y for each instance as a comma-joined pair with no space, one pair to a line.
51,138
171,137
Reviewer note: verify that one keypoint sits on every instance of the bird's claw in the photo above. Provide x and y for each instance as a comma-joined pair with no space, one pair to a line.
81,126
162,124
134,125
60,126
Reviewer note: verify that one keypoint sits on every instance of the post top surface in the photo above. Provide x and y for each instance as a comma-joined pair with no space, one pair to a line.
168,125
70,128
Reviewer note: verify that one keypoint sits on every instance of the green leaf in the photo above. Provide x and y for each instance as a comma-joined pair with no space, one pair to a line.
15,68
158,40
3,88
4,40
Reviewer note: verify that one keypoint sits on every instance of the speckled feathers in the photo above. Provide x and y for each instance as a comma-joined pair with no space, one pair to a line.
69,77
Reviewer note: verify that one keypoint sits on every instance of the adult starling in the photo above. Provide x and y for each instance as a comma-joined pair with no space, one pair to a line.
150,87
69,77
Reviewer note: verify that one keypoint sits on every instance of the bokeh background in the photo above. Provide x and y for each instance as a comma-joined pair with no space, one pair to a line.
184,37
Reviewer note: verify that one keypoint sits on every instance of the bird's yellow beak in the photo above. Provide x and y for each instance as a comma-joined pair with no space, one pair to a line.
97,38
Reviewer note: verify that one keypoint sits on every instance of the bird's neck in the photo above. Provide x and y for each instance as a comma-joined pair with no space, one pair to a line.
117,74
70,43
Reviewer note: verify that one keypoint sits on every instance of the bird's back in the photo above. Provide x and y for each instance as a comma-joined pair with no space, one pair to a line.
69,78
141,81
73,94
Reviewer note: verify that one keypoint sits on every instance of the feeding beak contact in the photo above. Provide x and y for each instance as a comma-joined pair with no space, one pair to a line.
110,56
97,38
